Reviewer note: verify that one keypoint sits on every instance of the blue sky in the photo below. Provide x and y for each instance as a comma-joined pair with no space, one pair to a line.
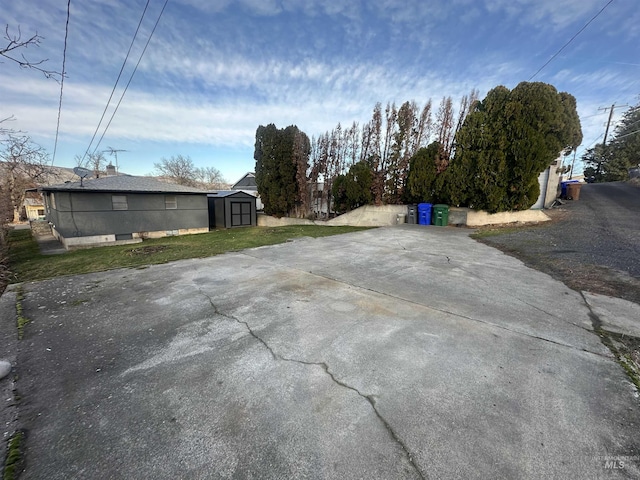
216,69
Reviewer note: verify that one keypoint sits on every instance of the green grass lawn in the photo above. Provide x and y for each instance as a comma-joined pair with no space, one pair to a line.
26,263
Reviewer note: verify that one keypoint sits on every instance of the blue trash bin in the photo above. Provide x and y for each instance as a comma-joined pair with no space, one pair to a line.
424,213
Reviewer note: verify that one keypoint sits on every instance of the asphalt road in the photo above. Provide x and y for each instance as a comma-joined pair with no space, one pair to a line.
406,352
606,226
594,243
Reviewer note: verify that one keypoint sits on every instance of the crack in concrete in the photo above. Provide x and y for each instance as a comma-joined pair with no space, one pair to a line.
484,280
605,338
395,297
325,367
459,315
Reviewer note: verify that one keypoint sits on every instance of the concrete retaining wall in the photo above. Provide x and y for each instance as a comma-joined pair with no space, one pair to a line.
474,218
386,215
40,228
367,216
267,221
371,216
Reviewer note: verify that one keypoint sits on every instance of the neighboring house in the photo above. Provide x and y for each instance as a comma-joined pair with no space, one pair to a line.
549,181
318,201
33,206
248,185
124,209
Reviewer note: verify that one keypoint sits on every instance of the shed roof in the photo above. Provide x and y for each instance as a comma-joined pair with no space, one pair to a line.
229,193
121,183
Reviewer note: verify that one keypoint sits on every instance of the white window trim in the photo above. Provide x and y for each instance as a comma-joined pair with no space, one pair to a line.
117,202
171,202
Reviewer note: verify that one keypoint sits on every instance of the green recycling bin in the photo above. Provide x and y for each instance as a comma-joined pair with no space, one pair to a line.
441,215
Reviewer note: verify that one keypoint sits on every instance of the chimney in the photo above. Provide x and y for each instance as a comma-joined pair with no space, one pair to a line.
111,171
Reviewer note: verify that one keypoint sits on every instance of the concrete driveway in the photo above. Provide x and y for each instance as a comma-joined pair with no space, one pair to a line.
401,352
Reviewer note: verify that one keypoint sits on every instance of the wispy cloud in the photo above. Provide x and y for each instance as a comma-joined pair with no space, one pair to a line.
216,69
545,13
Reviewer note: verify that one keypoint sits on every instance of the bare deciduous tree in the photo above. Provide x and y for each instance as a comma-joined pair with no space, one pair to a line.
15,44
3,129
24,163
177,169
210,177
93,161
467,104
425,126
181,170
445,127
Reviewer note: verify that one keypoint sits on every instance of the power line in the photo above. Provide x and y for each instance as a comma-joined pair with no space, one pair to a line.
591,116
597,138
633,123
64,61
606,132
627,134
131,77
117,80
587,148
571,40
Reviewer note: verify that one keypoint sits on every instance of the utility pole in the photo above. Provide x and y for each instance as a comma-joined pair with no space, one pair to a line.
606,132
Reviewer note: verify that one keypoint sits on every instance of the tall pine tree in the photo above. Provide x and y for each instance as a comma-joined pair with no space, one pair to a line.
507,141
282,160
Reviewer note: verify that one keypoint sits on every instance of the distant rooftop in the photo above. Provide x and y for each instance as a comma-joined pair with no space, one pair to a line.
247,182
121,183
227,193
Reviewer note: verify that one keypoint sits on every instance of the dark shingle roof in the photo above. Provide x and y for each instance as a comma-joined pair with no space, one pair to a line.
228,193
122,183
248,182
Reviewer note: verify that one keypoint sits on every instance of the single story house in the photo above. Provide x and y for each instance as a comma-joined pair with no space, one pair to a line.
124,209
247,184
549,181
33,206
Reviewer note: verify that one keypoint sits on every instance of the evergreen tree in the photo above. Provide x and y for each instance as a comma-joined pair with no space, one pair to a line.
611,162
507,141
282,160
421,180
353,189
477,175
626,143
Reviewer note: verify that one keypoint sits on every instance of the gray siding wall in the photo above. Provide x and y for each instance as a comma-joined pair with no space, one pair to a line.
85,214
220,213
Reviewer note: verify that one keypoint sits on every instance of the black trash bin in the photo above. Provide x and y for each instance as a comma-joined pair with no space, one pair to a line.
412,214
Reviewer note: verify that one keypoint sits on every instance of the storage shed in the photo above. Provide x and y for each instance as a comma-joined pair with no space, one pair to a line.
230,209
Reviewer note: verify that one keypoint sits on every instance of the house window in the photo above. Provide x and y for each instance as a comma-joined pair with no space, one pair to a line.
41,212
119,202
170,202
